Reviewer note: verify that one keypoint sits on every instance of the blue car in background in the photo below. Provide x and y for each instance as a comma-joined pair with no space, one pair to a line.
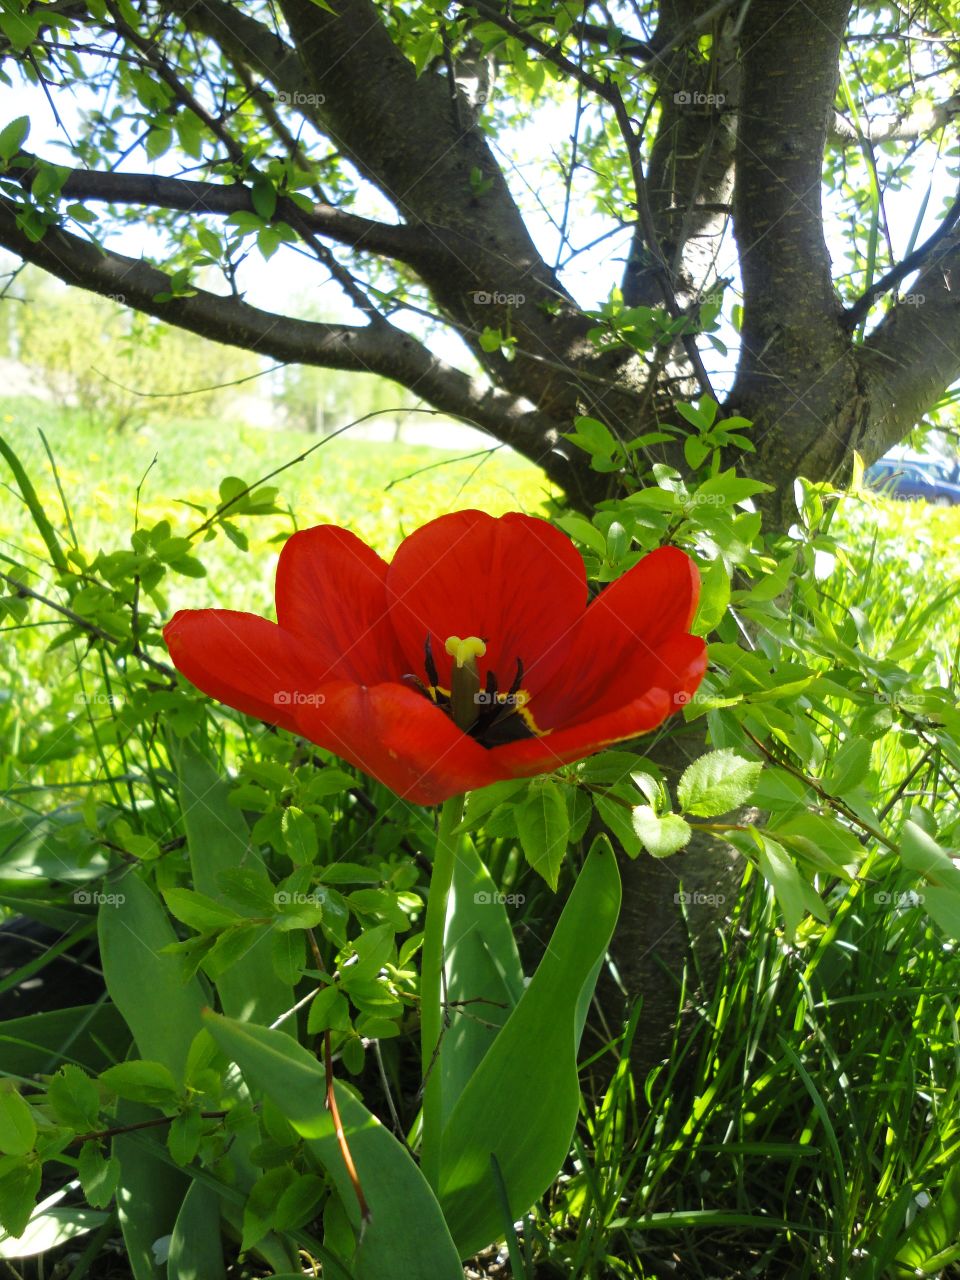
916,479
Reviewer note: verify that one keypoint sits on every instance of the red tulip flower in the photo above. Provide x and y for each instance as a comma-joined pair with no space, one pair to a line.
470,658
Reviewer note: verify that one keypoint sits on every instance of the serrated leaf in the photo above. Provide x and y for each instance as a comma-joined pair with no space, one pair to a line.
74,1099
716,783
99,1175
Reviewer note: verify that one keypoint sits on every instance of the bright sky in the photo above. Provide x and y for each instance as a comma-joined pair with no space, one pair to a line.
289,282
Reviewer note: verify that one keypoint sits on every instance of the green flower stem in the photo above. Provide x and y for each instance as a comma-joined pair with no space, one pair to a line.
431,986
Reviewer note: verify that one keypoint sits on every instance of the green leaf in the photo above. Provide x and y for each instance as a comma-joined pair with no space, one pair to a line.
19,1187
795,895
263,196
716,783
183,1135
522,1102
482,964
142,1081
74,1099
714,597
849,766
919,852
943,906
482,802
406,1235
196,1251
219,843
259,1213
329,1010
930,1242
298,1203
98,1175
141,980
18,1129
198,911
13,136
543,826
150,1192
661,835
299,836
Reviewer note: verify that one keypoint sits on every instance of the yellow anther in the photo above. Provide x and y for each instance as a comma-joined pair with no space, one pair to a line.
465,651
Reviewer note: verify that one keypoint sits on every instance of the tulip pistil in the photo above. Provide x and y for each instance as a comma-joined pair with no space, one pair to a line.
464,679
490,715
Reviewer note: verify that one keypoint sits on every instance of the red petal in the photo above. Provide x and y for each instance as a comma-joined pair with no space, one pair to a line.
622,631
331,592
242,660
517,582
677,670
398,737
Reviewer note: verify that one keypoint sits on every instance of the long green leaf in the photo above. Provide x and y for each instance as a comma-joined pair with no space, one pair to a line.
161,1010
484,977
406,1235
521,1105
195,1249
218,842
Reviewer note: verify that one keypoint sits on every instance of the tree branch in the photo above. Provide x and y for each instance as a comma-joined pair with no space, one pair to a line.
918,122
381,349
912,262
402,243
913,354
